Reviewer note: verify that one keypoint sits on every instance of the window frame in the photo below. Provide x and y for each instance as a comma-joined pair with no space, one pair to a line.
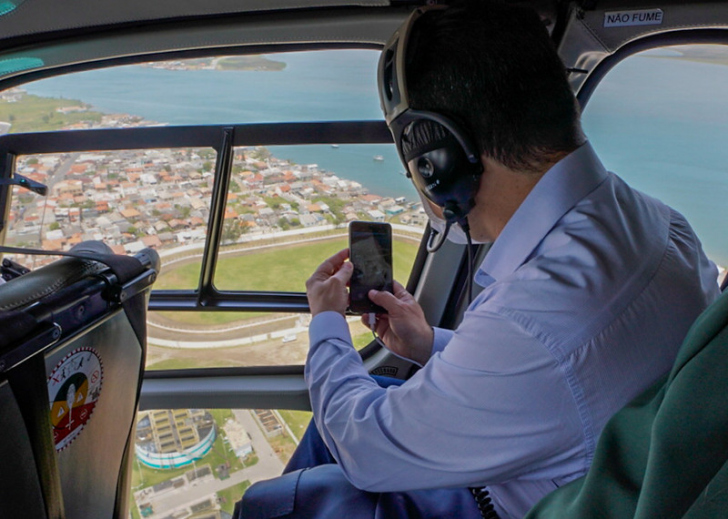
221,138
687,37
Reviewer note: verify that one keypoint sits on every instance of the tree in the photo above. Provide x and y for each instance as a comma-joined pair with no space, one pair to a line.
231,231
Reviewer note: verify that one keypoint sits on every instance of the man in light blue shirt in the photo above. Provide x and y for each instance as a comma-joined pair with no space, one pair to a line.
588,290
583,308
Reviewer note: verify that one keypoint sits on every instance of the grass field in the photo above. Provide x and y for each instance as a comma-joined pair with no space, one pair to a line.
210,318
186,363
282,269
231,495
33,113
297,421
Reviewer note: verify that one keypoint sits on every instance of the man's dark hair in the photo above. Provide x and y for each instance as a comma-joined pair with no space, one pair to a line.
493,68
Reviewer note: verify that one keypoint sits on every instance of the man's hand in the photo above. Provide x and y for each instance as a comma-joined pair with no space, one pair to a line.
326,288
404,328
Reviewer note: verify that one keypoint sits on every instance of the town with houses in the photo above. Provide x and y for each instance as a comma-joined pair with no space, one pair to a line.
160,198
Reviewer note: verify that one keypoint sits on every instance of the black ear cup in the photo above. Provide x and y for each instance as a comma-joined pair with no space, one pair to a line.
440,168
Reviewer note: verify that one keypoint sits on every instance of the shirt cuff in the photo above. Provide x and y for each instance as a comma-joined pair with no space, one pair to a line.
442,337
328,325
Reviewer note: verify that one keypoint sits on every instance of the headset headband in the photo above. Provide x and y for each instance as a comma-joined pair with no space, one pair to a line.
393,88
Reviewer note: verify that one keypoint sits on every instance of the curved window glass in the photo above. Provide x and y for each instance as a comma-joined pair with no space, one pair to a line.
286,208
286,87
659,119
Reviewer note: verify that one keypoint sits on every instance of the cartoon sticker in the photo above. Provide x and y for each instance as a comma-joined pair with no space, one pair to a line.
74,386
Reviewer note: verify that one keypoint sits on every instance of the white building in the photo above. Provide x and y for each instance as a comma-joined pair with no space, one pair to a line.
376,215
240,442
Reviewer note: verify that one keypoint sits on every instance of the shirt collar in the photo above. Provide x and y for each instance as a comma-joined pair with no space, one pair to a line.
558,191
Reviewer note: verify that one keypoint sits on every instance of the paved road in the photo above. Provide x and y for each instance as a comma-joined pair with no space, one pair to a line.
266,456
59,174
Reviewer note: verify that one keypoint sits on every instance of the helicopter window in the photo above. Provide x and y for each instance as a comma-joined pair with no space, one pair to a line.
291,186
659,120
286,212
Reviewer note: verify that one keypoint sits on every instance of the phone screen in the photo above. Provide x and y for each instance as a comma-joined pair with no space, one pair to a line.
370,251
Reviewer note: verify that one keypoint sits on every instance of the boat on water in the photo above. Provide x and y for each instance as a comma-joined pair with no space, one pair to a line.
334,145
378,158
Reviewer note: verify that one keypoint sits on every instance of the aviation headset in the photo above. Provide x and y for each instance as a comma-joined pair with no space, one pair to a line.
440,158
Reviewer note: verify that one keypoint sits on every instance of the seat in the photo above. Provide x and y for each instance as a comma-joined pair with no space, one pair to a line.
666,453
72,354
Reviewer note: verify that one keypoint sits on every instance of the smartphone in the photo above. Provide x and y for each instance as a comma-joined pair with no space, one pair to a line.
370,251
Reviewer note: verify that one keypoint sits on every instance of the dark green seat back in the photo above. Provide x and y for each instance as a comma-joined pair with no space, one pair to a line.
666,453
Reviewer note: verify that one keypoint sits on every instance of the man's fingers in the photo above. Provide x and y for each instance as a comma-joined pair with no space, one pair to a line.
365,320
344,273
384,299
397,287
398,291
330,265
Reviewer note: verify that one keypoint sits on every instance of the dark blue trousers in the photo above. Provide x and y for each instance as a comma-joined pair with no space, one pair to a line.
314,487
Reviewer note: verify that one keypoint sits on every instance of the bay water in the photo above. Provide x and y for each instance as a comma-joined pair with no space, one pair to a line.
659,122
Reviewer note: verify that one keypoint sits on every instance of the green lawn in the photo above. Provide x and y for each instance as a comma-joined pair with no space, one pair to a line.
281,269
38,114
211,318
230,496
133,509
143,476
187,363
283,445
284,268
297,421
362,339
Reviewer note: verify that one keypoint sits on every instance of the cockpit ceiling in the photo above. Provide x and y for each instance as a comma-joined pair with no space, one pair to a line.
29,17
48,54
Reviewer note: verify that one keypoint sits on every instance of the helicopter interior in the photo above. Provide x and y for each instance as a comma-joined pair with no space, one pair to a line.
236,140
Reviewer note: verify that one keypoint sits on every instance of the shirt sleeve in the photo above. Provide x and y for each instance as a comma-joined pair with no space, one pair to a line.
442,337
487,408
